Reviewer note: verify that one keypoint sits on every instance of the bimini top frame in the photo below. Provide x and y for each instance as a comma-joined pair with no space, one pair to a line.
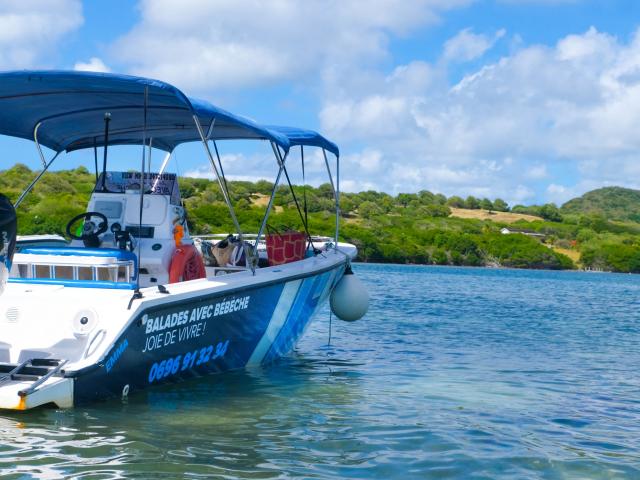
67,111
306,138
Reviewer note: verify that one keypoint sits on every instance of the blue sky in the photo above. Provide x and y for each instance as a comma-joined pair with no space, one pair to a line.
527,100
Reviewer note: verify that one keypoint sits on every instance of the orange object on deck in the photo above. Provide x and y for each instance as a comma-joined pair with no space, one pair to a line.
178,234
186,264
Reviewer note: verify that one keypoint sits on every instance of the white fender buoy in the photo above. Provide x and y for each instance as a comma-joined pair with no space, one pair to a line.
349,298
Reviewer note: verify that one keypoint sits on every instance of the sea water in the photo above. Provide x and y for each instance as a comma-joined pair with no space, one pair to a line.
454,373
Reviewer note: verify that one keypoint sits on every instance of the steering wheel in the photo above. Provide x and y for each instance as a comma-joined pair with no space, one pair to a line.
90,230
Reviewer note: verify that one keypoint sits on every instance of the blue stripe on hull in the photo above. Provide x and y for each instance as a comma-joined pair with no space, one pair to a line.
205,335
306,303
278,319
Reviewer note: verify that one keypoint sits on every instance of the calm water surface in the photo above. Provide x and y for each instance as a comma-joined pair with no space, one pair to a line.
454,373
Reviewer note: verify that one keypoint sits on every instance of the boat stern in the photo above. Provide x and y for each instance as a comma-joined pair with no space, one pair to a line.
17,392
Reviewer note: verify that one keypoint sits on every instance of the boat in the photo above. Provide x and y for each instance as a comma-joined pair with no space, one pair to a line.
129,303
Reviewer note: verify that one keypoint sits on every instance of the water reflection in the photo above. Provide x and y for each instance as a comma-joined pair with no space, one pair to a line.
455,373
237,424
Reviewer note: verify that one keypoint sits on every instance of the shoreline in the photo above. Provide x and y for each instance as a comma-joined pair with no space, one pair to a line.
494,267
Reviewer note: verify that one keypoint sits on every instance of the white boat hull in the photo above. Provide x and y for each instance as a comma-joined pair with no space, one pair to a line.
200,327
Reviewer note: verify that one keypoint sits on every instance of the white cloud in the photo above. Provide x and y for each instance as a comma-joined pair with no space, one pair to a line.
495,133
201,171
560,194
466,45
501,127
31,29
93,65
539,2
537,172
368,161
201,45
233,163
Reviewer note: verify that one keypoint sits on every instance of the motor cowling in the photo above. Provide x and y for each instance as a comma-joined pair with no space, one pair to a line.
349,298
8,231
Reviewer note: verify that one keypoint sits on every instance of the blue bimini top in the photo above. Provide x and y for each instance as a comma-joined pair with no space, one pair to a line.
70,108
300,136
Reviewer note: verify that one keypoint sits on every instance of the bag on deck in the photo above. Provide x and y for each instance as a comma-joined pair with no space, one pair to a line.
285,247
206,251
229,252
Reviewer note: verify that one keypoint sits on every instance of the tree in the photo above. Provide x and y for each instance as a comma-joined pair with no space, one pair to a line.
439,257
440,199
486,204
426,197
500,205
472,203
263,186
325,190
456,202
405,199
550,212
435,210
368,209
346,205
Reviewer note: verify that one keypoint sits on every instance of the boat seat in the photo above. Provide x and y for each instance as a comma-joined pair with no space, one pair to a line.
76,266
29,354
69,348
120,255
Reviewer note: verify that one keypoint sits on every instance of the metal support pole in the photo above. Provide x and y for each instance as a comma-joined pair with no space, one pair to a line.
337,200
210,130
107,119
295,199
95,158
32,184
162,167
35,139
336,192
225,194
263,225
149,162
304,189
144,150
326,162
224,179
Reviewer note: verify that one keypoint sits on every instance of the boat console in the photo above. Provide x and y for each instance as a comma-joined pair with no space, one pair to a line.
108,238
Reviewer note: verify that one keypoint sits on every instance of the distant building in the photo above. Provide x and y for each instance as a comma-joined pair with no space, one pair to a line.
529,233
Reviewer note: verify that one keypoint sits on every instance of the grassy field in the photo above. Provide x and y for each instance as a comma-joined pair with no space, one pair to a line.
261,200
500,217
574,255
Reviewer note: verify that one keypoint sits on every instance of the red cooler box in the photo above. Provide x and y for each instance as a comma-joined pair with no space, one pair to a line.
285,247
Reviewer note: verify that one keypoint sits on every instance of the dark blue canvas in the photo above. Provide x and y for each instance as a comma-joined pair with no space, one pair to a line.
71,106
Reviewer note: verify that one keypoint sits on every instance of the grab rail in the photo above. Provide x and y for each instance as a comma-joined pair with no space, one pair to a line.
87,352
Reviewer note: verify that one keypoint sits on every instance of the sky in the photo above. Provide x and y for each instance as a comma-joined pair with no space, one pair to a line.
532,101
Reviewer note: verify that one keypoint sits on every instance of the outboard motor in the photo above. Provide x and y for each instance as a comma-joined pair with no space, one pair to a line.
8,230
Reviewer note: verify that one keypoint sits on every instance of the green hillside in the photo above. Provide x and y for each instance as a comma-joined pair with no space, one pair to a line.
406,228
613,203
